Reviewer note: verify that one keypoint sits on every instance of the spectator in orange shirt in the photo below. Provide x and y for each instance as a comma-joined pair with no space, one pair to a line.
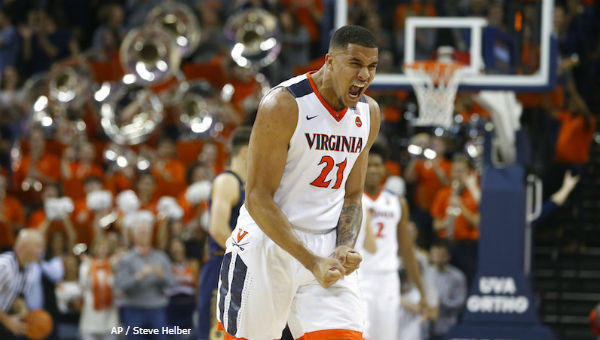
84,220
120,177
429,175
197,172
168,171
76,166
195,227
38,167
455,212
12,217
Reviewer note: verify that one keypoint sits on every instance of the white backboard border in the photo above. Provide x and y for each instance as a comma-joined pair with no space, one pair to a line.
543,80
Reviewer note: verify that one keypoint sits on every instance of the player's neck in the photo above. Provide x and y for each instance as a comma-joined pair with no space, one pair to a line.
372,190
238,165
322,81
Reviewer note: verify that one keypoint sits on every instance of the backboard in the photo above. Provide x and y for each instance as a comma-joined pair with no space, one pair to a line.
527,23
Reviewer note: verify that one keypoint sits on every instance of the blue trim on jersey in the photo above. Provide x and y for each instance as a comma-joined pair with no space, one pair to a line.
300,89
237,285
224,284
389,192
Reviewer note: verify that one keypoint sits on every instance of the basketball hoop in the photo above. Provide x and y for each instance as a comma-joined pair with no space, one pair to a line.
435,84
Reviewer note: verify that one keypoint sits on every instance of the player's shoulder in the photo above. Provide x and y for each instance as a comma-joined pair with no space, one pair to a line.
390,195
277,116
373,105
278,100
298,86
226,180
365,98
375,115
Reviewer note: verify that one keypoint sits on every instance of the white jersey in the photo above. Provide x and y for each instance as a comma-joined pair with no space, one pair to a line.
321,154
386,213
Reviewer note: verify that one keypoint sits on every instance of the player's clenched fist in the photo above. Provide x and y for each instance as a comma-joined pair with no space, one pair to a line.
327,271
349,258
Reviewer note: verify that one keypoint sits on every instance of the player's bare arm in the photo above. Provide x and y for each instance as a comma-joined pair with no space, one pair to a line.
351,216
275,123
224,196
407,252
369,244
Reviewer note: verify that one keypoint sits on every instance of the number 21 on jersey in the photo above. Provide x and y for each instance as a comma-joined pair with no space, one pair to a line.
322,181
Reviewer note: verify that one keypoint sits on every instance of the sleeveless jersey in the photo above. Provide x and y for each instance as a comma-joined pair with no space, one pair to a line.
321,154
386,213
213,246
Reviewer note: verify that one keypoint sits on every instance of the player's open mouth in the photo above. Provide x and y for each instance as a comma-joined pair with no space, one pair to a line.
355,91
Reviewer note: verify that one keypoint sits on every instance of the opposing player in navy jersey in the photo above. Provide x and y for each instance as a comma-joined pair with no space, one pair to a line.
226,198
291,258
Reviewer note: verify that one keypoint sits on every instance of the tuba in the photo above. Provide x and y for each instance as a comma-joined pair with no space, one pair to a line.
152,53
36,93
254,37
179,21
129,113
70,84
149,55
203,111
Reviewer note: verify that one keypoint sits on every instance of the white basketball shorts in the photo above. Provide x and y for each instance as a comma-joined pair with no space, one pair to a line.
262,288
381,294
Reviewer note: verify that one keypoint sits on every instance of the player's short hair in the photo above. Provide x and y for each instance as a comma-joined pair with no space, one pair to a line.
380,150
352,34
240,138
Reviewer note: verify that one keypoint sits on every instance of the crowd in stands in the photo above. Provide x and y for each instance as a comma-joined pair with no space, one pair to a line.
61,180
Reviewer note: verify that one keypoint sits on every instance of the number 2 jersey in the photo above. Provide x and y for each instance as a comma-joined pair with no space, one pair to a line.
321,154
385,216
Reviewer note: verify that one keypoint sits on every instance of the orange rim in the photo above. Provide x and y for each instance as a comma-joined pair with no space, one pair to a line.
435,69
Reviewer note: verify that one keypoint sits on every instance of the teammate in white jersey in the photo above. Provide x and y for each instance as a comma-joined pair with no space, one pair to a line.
291,258
383,239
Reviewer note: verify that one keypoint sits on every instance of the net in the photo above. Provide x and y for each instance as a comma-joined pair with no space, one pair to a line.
435,84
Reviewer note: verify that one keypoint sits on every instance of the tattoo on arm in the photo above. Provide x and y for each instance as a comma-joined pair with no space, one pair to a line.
349,223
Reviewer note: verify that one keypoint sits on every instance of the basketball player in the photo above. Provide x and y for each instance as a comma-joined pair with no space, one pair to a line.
291,258
384,237
226,199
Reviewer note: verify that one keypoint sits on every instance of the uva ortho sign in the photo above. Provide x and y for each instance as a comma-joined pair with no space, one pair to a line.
497,295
